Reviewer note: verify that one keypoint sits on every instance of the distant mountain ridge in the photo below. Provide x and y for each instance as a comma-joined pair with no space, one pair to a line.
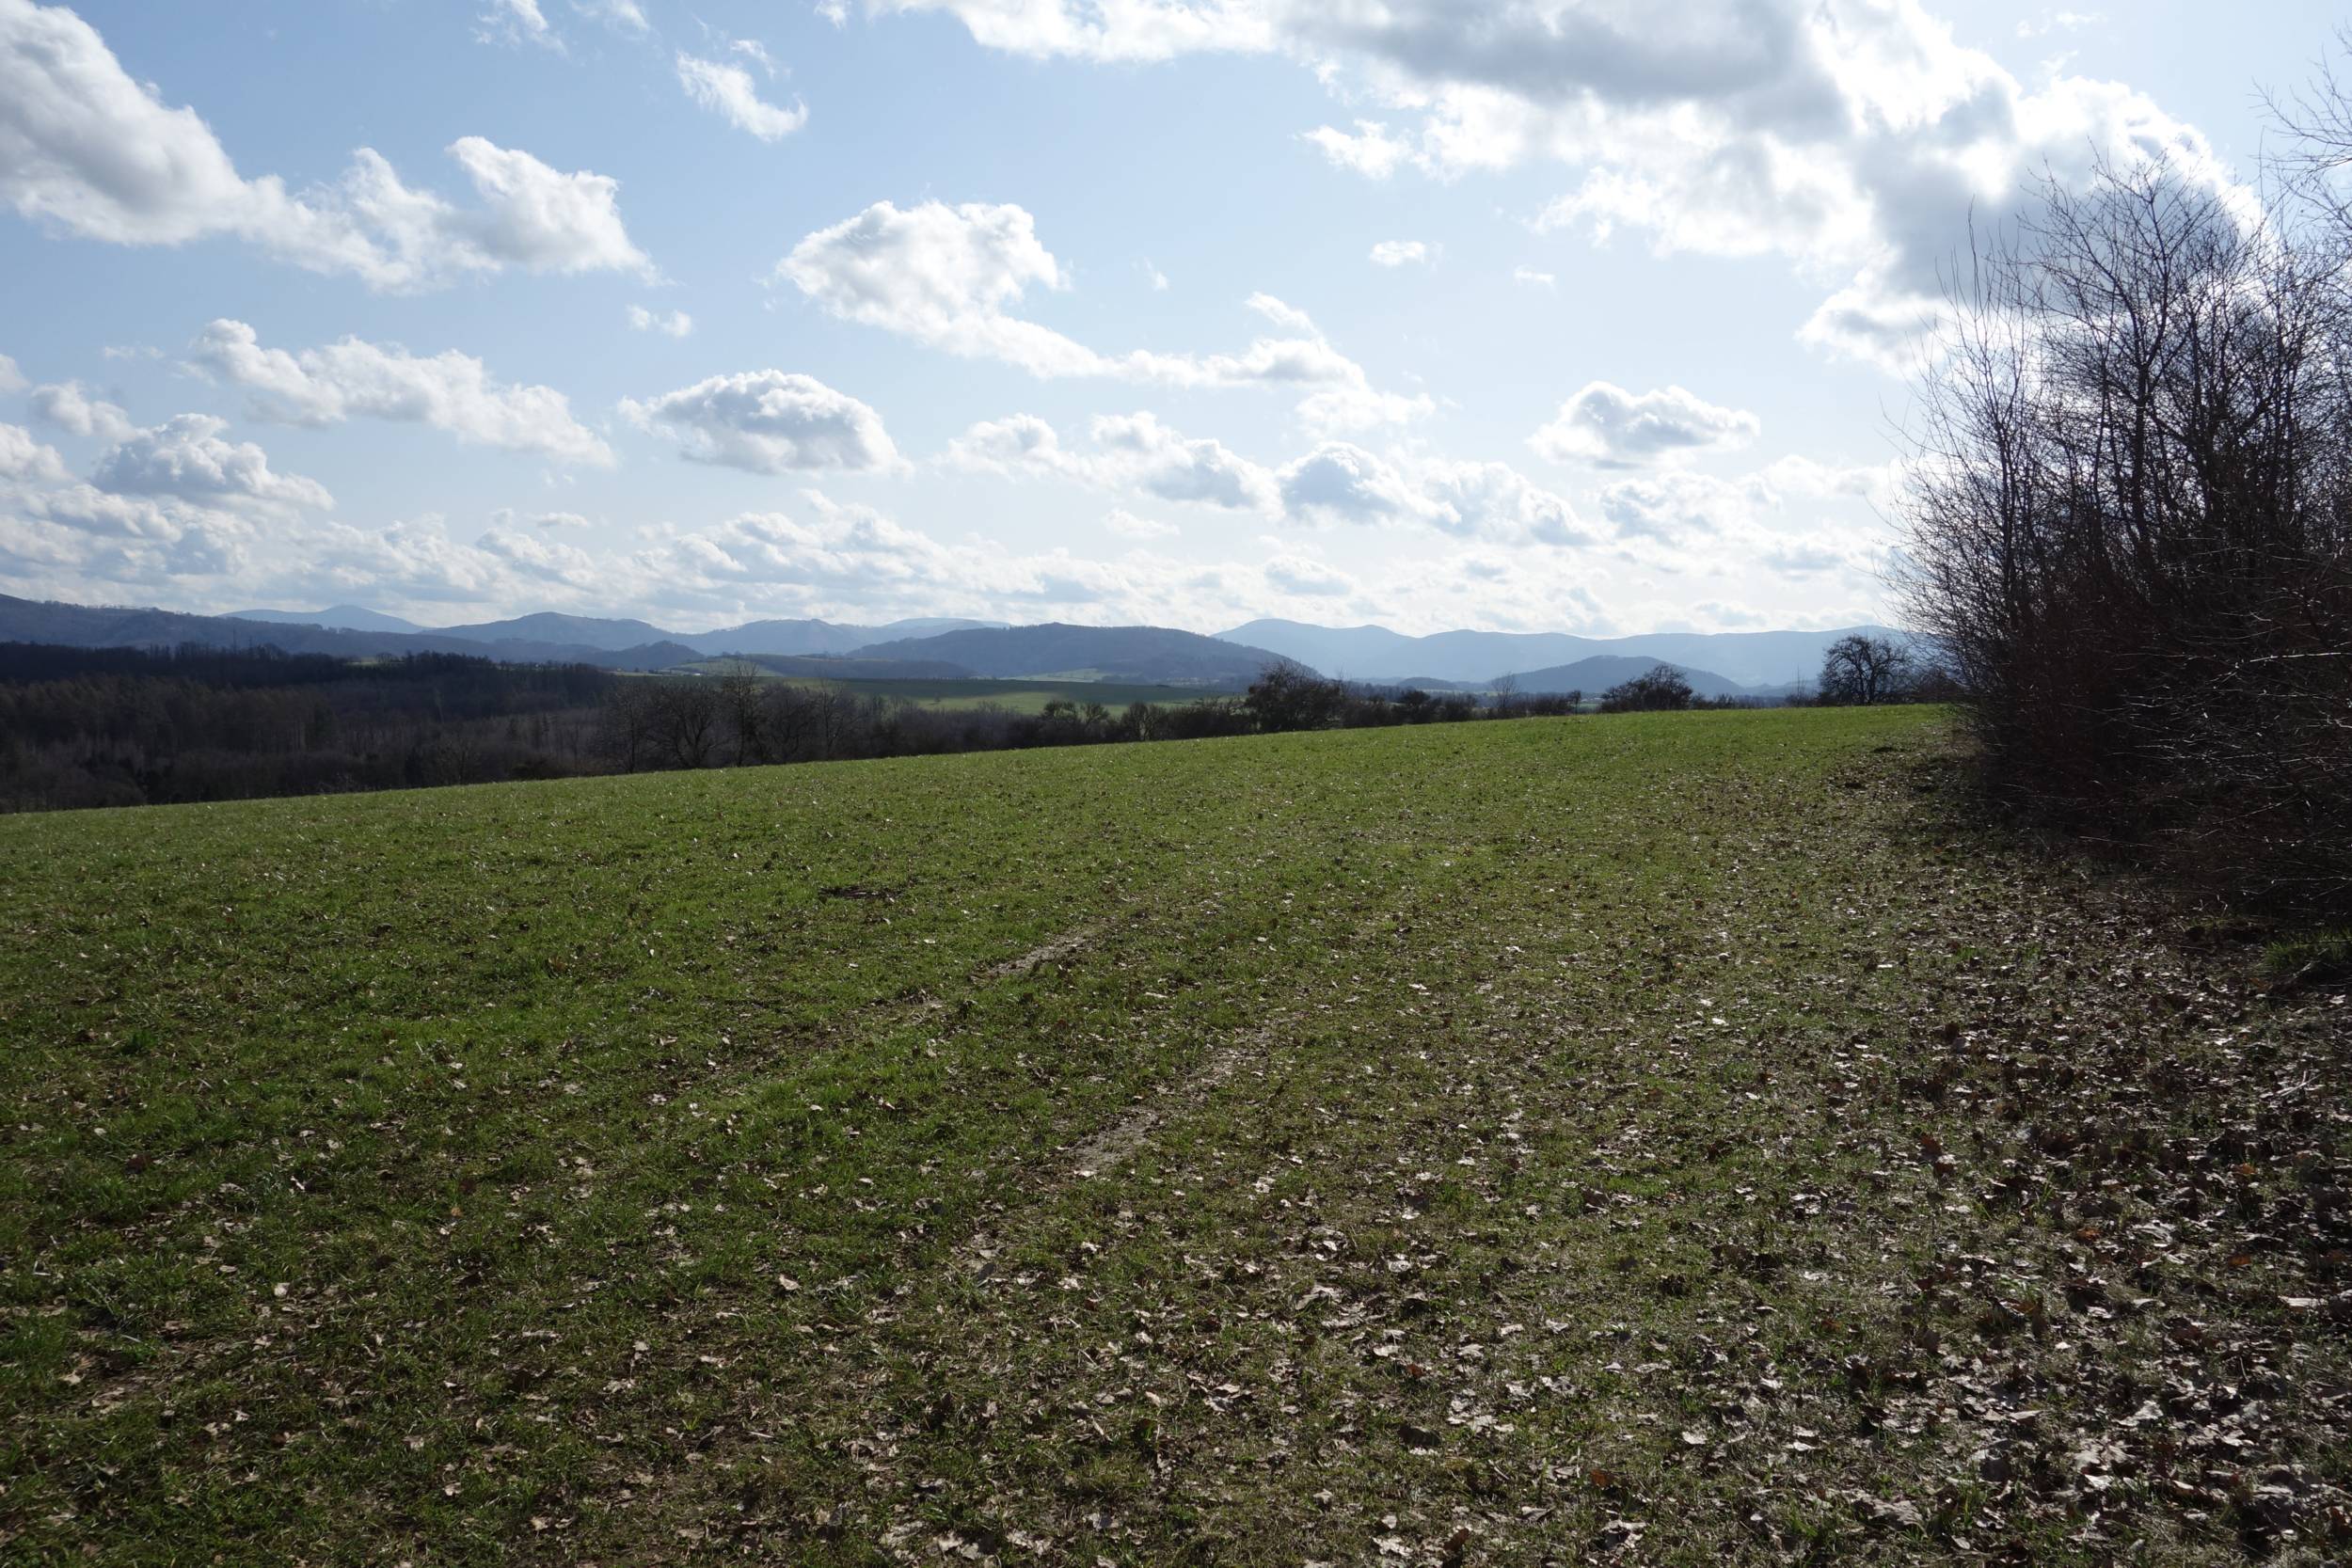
341,617
1767,665
1141,654
1770,660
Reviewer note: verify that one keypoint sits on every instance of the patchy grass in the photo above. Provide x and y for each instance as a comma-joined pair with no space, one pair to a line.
1660,1138
2323,958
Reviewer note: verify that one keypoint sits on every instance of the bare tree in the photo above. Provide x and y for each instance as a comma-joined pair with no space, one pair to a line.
1862,670
742,705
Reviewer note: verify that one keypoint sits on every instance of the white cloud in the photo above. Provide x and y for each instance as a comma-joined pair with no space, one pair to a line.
1288,317
1161,463
541,218
770,422
1121,30
1126,525
352,378
506,517
1612,428
1154,275
88,152
23,457
624,15
1370,151
11,379
728,91
1132,453
950,276
1339,481
1398,253
186,458
1855,139
68,407
1308,578
517,22
675,323
1532,279
2058,22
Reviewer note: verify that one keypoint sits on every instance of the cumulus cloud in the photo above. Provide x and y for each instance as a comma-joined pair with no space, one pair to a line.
186,458
1795,519
950,278
675,323
352,378
69,405
1401,253
728,91
23,457
768,423
1130,452
1855,139
86,150
1340,482
1612,428
11,379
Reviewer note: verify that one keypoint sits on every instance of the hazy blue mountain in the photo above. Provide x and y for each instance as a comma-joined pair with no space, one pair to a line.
1374,653
83,626
788,638
341,617
1597,674
584,631
1153,655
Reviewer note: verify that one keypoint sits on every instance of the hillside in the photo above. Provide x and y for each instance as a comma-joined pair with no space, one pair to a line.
1597,674
1665,1139
1766,659
341,617
1154,654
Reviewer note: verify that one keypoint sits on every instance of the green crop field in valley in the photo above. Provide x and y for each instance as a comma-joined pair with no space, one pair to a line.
1667,1138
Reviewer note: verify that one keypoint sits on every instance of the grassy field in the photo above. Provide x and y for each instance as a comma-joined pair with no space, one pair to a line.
1659,1139
1015,696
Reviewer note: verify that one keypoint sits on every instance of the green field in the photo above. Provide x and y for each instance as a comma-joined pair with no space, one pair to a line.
1015,696
1660,1138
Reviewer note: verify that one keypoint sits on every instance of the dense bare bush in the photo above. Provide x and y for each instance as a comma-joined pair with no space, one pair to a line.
2128,524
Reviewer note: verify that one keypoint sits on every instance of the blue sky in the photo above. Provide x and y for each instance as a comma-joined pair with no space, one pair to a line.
1584,315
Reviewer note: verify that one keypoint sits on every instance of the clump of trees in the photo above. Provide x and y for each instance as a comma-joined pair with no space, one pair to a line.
2130,522
1662,689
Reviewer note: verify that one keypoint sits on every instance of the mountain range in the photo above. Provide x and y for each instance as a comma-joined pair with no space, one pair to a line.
1769,660
1726,664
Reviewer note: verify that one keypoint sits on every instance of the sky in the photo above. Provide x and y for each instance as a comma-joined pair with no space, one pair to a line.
1580,315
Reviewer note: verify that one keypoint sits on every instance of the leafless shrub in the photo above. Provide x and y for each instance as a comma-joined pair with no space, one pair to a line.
2130,523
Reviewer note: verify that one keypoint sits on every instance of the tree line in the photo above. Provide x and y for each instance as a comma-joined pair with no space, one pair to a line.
129,726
